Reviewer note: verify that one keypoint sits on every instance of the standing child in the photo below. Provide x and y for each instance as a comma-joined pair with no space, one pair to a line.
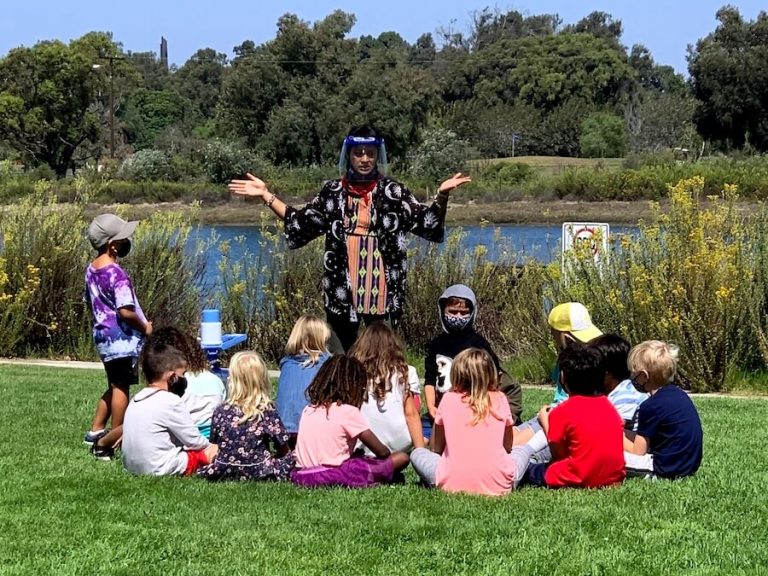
253,443
585,432
472,435
669,438
457,307
119,325
159,436
617,384
389,406
305,353
205,391
331,426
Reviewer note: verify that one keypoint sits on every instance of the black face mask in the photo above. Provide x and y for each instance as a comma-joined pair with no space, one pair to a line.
123,249
639,387
177,385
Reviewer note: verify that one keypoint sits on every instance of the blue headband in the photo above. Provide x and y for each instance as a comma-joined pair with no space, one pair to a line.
362,141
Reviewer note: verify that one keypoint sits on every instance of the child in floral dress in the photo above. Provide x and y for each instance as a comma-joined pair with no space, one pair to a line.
253,443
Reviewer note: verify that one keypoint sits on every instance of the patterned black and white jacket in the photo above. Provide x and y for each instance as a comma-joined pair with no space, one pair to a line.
395,211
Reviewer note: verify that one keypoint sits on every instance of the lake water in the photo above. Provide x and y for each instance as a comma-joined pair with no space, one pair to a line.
541,243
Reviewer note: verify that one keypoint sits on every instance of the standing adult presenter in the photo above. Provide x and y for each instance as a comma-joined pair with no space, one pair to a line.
365,217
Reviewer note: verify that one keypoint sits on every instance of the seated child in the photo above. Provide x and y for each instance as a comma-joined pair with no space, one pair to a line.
331,426
205,391
414,385
389,407
669,438
159,436
616,381
305,352
457,308
253,444
585,432
472,434
568,322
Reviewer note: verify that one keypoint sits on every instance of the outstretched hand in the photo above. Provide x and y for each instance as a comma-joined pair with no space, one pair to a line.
252,187
454,182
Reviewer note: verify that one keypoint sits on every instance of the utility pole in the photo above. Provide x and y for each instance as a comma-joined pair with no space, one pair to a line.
111,60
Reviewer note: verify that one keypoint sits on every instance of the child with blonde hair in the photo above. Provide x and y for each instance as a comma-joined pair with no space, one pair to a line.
669,439
253,443
331,426
389,407
305,353
472,435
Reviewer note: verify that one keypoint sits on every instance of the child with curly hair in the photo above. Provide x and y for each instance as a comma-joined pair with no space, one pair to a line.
331,426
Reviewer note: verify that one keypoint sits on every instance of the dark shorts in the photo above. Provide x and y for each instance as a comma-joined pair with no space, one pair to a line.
534,475
357,472
122,372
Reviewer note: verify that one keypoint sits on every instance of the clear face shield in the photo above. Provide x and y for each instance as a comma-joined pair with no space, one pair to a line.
362,147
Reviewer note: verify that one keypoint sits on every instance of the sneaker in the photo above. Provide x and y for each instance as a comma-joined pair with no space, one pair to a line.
91,437
105,453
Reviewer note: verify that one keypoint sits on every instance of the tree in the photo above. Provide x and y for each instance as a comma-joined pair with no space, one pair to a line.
546,72
603,135
150,112
729,78
47,93
200,79
152,73
600,25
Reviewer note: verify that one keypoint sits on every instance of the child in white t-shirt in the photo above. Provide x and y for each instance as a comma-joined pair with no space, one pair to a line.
159,436
389,406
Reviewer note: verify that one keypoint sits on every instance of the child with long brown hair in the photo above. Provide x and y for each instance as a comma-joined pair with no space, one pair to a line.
389,406
331,426
472,435
253,444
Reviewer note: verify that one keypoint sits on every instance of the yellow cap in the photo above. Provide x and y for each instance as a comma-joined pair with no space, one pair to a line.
573,318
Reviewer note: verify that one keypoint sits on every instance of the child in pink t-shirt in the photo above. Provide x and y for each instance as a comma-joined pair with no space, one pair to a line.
331,426
472,435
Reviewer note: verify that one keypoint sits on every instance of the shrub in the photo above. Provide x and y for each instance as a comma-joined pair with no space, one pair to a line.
146,165
689,278
603,135
441,154
43,256
224,160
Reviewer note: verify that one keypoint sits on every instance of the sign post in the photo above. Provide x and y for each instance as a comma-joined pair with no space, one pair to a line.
593,235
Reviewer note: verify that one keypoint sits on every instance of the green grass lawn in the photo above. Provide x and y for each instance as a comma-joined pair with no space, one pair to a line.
64,513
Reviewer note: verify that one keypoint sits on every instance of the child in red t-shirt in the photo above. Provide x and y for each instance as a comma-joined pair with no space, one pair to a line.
585,433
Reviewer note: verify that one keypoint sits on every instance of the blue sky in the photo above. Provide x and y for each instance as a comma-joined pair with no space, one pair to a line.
665,26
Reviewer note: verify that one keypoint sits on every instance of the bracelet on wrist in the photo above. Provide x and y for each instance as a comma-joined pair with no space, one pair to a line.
268,203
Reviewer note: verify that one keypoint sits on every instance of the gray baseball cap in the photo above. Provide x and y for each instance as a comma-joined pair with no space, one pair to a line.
107,227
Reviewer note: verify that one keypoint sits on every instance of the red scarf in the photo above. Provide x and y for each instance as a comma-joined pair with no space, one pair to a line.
360,189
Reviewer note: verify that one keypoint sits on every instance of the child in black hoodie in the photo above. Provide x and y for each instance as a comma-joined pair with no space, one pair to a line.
457,307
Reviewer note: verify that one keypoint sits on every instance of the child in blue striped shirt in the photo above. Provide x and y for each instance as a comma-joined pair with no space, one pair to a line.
617,384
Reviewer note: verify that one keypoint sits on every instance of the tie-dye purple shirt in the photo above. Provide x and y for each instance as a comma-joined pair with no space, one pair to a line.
109,289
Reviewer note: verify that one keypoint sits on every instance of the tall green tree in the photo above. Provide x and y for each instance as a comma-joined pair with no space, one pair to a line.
47,96
200,79
729,77
150,112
